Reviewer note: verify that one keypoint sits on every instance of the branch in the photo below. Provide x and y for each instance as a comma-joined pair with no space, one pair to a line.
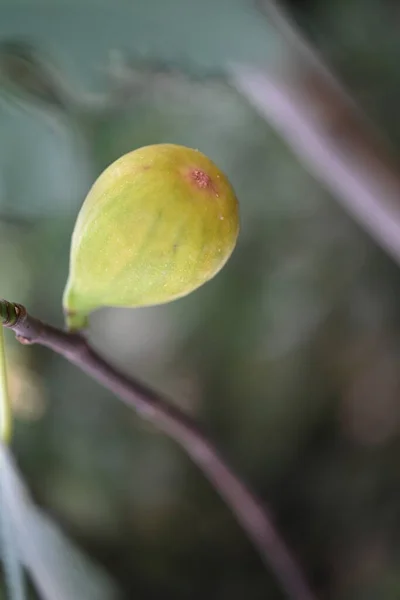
252,516
300,98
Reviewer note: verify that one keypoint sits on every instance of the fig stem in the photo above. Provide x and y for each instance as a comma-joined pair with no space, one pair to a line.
76,321
250,512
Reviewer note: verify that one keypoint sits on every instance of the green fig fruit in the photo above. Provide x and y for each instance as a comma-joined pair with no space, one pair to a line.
157,224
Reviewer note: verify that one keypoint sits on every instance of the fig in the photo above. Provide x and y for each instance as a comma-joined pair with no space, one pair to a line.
157,224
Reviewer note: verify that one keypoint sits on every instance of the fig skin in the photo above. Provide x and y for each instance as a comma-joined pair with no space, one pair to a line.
158,223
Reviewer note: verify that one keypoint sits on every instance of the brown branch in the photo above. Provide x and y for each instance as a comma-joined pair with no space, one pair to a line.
303,101
252,516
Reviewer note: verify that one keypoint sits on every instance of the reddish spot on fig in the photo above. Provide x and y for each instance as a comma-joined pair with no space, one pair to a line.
201,179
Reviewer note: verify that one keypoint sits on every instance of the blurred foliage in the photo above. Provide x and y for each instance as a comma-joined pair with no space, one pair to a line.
31,539
290,356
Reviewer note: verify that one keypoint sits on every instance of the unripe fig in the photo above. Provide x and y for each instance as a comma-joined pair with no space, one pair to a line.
158,223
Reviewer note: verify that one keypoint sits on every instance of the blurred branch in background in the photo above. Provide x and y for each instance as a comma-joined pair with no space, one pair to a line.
254,519
308,108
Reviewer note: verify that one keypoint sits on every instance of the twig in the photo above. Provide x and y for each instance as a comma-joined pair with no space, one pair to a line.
301,99
253,517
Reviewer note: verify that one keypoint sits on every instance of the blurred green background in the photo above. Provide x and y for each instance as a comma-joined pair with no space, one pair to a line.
290,357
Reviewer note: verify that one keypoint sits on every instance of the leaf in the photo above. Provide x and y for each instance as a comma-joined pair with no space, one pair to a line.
25,71
41,61
44,167
59,570
13,569
205,34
